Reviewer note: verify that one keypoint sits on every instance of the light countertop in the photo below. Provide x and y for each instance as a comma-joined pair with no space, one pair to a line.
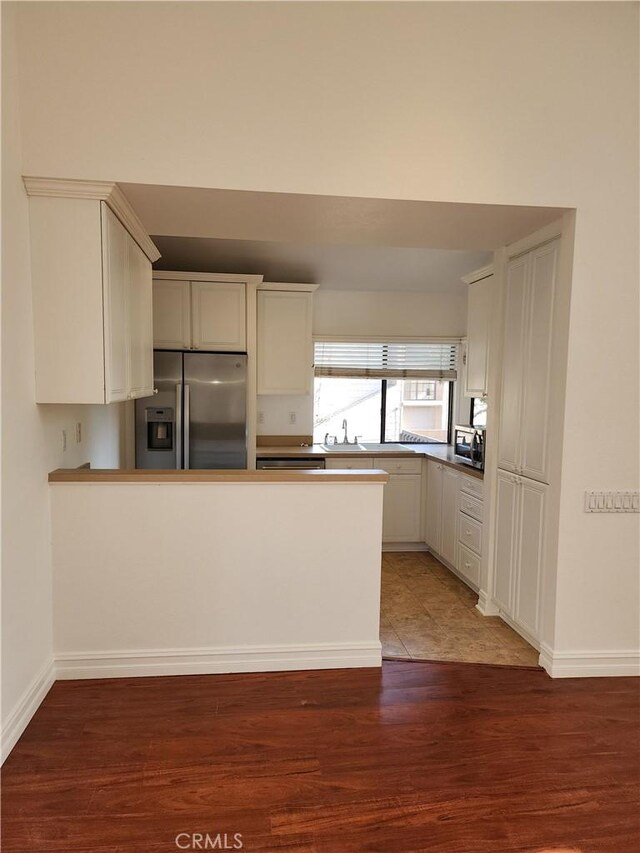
439,452
140,476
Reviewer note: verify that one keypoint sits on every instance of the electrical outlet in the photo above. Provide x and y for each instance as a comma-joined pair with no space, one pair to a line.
260,417
64,440
292,417
78,432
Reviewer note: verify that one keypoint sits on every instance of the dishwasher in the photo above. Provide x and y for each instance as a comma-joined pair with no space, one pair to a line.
284,464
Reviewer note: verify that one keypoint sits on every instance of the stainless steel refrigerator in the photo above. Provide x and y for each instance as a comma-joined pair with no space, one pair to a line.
198,417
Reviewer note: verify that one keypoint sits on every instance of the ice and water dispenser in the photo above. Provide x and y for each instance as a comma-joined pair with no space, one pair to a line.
160,429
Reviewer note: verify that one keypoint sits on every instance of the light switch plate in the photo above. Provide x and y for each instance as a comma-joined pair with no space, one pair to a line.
620,501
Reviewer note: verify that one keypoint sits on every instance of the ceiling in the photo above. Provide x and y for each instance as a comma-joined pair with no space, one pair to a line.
333,267
338,242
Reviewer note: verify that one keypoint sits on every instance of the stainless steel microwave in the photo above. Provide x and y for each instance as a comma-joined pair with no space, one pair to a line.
469,444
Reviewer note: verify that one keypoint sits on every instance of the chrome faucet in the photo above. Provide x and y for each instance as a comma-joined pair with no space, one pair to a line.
345,440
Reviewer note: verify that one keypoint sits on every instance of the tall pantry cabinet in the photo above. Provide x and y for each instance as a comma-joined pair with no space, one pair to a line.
523,459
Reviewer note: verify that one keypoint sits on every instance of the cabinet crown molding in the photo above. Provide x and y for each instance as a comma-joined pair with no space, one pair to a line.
287,286
477,275
106,191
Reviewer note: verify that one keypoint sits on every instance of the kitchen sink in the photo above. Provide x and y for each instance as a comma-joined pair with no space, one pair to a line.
362,448
340,448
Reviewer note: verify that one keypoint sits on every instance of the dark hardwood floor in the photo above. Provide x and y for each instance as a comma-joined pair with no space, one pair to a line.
421,756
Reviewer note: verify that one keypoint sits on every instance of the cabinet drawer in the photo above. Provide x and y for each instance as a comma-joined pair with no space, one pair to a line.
470,533
349,463
471,506
394,465
472,485
469,565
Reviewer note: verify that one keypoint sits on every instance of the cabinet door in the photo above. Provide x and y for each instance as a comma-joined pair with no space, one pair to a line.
218,316
537,363
478,320
171,314
433,523
506,544
401,513
449,537
115,284
530,555
140,321
285,347
512,364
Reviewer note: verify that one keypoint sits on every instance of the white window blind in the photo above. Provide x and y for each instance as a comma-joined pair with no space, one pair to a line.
391,360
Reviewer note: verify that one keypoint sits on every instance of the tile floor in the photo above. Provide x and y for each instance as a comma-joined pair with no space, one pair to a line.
428,613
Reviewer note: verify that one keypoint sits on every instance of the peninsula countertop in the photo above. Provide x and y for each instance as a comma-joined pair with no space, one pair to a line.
141,476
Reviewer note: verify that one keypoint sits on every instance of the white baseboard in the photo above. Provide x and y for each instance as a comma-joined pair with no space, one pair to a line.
590,664
145,662
486,605
25,709
404,546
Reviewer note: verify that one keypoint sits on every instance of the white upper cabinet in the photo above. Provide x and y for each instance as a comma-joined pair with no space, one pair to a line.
171,314
91,275
479,303
141,322
199,315
285,343
116,341
218,316
537,364
524,411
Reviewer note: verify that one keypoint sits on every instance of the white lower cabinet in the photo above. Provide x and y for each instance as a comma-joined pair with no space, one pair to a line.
401,514
469,565
349,464
402,511
453,524
520,535
449,535
433,522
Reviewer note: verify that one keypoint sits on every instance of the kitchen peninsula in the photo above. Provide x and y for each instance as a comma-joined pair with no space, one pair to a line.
177,572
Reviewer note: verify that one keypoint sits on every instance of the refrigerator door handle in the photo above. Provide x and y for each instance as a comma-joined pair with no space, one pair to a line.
178,436
187,419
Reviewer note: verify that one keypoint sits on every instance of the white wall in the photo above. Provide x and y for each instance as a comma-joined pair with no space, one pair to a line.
183,588
518,103
31,441
343,312
275,410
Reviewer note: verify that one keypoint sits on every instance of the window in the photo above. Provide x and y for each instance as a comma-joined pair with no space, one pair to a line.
478,413
393,392
420,391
